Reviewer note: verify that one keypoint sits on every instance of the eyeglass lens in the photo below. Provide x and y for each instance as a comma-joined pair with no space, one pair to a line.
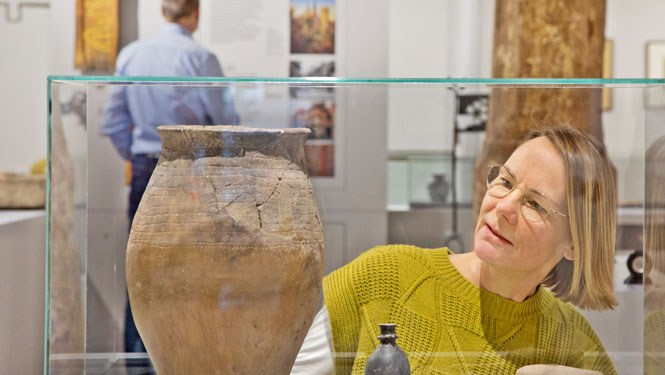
500,182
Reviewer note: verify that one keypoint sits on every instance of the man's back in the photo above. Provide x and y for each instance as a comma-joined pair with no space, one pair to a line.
171,53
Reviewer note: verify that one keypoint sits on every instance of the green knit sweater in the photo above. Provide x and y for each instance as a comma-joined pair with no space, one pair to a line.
446,324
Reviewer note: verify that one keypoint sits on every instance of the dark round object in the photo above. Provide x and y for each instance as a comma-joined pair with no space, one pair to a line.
635,265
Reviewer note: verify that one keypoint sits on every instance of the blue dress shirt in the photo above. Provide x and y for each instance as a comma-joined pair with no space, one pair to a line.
133,112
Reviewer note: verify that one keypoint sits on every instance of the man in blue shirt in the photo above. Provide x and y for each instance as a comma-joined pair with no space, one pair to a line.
133,112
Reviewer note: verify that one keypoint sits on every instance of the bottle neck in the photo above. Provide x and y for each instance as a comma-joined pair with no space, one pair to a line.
388,340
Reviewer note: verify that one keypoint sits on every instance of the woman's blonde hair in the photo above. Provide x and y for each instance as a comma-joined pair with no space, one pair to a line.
586,281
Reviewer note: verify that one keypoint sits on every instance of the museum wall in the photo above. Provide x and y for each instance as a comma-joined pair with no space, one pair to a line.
419,44
23,69
430,38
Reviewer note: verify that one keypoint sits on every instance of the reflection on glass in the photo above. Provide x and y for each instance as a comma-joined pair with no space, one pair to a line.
654,272
66,329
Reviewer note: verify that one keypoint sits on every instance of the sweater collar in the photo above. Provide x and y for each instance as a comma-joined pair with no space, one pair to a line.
489,303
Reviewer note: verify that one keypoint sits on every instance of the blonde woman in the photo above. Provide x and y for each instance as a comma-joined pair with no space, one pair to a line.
544,238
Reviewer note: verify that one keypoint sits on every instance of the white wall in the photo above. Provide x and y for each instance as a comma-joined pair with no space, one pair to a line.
150,20
630,25
417,48
23,69
41,44
435,39
62,37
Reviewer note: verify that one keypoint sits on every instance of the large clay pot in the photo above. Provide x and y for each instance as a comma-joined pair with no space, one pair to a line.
225,256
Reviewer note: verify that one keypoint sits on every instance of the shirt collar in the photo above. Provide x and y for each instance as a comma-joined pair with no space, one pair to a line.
174,28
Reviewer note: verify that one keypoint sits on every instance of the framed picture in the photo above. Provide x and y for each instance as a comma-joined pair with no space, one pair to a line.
655,68
472,112
312,66
312,26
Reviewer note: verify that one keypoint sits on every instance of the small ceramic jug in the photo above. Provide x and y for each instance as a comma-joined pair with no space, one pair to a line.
387,358
438,189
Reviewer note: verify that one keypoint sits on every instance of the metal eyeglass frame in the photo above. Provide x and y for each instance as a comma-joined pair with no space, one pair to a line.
519,186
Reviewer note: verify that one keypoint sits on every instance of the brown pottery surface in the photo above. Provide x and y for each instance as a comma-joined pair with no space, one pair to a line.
225,255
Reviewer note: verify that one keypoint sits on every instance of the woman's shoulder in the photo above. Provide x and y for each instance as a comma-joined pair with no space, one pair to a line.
564,330
566,312
568,318
584,347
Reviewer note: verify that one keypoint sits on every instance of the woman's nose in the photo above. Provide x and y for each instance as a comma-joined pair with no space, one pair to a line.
509,206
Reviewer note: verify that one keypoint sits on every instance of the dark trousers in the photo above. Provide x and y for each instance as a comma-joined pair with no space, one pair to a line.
142,167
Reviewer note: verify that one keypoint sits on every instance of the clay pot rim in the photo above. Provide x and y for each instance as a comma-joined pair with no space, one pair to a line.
232,129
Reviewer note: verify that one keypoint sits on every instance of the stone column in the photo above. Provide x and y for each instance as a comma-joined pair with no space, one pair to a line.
541,39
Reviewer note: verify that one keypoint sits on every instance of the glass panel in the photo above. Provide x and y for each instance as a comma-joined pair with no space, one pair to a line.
389,161
652,263
309,81
67,229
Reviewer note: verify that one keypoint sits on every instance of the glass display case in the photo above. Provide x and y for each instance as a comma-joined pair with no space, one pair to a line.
387,160
431,179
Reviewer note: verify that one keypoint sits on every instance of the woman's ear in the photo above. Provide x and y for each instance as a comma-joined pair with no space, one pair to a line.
569,253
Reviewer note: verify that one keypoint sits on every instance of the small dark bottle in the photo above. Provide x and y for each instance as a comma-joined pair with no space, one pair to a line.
387,358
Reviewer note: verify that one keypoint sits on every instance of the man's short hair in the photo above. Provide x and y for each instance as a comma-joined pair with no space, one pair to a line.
177,9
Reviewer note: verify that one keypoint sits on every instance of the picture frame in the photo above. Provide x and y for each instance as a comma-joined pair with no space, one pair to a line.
655,68
306,39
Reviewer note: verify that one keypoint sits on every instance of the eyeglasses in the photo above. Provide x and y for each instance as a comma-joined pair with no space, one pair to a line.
535,205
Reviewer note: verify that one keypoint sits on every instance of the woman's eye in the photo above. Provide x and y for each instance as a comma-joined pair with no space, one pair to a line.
536,205
506,183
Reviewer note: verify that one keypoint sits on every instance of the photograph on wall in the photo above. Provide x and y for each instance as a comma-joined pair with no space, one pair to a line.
312,26
655,68
319,117
312,67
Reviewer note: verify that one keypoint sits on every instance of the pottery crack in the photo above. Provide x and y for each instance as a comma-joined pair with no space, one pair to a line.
279,182
214,189
234,199
258,210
